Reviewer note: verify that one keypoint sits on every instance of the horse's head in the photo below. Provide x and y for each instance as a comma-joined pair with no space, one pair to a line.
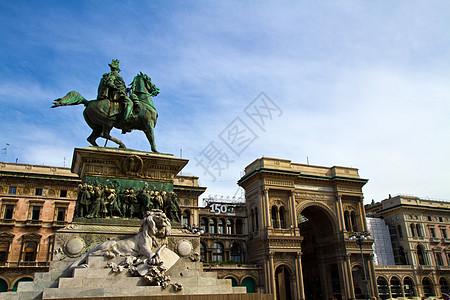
143,84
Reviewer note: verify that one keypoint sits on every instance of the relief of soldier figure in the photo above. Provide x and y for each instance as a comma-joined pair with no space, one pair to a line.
110,201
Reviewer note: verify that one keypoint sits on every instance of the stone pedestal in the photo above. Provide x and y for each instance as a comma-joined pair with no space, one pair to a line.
126,167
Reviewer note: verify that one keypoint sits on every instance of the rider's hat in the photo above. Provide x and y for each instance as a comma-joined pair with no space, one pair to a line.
114,64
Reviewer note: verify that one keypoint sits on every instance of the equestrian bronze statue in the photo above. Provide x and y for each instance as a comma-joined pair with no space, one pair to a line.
118,106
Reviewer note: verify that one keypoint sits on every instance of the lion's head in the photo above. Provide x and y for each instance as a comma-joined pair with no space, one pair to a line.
156,224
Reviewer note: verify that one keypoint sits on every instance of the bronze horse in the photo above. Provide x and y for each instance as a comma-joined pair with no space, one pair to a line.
102,115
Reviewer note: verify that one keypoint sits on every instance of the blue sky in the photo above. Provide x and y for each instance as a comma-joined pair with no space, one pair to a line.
363,84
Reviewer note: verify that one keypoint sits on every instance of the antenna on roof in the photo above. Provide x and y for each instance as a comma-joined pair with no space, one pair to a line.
6,150
64,161
307,160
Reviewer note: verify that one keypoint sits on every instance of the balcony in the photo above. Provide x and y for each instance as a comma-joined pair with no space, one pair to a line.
435,240
34,223
446,241
59,224
7,222
25,264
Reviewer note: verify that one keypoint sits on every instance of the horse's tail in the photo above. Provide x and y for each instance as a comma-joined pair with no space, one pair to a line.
72,98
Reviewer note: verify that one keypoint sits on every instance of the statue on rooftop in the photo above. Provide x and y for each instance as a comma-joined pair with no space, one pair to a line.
118,106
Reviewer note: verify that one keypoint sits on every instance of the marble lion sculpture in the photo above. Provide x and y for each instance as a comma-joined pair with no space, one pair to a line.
148,243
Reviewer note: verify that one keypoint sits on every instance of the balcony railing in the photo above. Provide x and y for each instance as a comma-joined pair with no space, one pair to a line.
33,223
27,264
7,222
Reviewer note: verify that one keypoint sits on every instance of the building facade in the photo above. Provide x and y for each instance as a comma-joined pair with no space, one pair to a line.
35,201
419,233
295,235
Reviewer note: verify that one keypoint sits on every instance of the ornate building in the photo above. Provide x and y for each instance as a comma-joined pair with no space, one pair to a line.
303,220
35,201
419,232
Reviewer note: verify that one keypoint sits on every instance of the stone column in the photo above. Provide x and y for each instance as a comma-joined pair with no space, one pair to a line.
272,283
293,211
350,278
267,209
362,215
299,276
372,277
343,278
340,213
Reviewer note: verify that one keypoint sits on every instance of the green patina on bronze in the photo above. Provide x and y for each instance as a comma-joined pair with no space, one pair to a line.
118,106
101,197
123,184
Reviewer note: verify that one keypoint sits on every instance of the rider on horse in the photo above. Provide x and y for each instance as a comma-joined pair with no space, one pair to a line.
112,87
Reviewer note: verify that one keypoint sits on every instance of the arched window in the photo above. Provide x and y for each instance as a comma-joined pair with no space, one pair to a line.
221,226
4,249
274,217
427,287
396,287
239,226
202,252
29,253
383,288
418,230
217,254
408,286
186,218
348,226
413,231
444,286
353,218
3,286
236,252
256,219
399,230
204,224
421,255
282,218
212,225
230,227
249,283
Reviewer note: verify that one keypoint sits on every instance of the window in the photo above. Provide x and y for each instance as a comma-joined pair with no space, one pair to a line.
413,232
38,192
4,249
427,287
282,218
12,190
252,218
202,252
353,219
203,224
221,226
186,218
444,286
396,287
230,228
429,218
61,214
217,252
399,229
440,219
439,260
256,219
9,212
408,285
421,255
239,226
63,193
35,213
383,288
274,217
235,252
212,226
30,252
444,233
432,232
419,230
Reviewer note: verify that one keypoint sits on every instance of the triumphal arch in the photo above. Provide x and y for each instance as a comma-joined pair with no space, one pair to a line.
307,228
